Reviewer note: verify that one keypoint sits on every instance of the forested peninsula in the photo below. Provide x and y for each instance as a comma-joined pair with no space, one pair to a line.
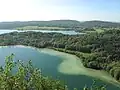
96,50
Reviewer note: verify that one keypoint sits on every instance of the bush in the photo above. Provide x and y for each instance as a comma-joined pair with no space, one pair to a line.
20,76
26,77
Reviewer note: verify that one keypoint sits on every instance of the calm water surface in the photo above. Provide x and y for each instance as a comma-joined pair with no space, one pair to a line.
49,64
43,31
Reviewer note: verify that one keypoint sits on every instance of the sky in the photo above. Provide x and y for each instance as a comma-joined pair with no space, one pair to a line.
82,10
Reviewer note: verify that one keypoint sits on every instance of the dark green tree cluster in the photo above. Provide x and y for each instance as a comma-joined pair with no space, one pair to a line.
42,40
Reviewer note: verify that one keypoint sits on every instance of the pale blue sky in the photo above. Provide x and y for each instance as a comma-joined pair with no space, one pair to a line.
82,10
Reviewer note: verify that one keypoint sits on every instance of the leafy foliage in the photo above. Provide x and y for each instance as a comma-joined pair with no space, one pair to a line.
95,87
26,77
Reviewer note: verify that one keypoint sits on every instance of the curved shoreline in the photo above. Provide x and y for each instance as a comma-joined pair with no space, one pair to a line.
72,65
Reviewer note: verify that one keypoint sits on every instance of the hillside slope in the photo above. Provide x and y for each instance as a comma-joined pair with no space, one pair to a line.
59,23
104,24
53,23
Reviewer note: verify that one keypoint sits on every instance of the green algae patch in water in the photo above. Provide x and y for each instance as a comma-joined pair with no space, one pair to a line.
72,65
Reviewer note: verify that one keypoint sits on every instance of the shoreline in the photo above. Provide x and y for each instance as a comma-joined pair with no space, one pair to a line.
75,67
72,65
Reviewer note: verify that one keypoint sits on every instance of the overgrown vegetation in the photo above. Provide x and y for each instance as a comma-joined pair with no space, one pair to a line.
20,76
97,50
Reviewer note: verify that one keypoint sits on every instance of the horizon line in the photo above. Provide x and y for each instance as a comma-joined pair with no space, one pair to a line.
59,20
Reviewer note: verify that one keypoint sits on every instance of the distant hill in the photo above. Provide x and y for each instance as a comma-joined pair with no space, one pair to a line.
52,23
105,24
58,23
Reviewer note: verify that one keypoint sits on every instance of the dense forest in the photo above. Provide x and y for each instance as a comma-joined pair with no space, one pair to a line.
73,24
97,50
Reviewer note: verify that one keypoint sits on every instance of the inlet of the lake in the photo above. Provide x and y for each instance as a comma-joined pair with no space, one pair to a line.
63,66
71,32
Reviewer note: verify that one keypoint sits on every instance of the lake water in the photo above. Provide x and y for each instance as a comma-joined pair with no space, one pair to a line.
43,31
59,65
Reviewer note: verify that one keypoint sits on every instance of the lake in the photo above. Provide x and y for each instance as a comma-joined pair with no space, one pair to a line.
43,31
63,66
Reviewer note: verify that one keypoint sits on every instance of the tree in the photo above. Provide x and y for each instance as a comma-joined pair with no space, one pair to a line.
26,77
